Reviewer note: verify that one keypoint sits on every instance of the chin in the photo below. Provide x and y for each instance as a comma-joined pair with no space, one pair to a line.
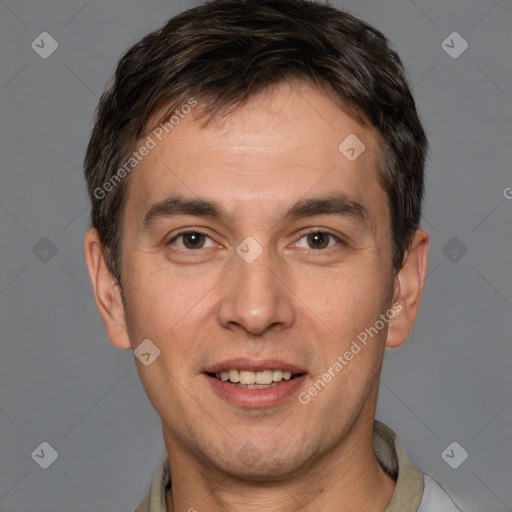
262,464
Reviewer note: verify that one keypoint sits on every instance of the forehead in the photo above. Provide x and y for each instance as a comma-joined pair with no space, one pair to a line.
283,144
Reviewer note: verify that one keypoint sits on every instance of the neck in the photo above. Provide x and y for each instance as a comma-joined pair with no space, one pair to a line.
349,476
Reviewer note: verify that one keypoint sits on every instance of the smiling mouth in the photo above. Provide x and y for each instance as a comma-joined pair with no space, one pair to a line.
255,380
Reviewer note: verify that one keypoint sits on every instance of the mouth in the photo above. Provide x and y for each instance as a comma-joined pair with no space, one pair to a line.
255,384
262,379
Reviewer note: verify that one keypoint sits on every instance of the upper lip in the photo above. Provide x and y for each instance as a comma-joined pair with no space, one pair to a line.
253,365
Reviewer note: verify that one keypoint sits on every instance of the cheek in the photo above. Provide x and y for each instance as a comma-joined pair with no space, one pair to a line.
159,298
173,311
348,300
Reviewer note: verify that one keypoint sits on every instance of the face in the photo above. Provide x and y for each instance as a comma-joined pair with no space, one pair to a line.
255,244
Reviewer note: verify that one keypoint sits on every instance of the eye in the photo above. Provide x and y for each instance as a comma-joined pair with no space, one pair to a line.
191,240
318,240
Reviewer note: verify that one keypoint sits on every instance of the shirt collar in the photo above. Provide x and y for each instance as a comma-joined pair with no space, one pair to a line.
389,452
394,460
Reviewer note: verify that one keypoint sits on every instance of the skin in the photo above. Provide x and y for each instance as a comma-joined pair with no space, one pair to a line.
300,302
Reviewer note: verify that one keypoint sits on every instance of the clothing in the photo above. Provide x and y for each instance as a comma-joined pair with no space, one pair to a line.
414,491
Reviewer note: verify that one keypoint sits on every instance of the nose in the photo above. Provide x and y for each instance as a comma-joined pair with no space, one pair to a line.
255,296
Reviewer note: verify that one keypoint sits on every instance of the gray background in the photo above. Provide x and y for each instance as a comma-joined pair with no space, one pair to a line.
62,382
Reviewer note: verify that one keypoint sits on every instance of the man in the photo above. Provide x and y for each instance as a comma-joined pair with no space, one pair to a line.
256,178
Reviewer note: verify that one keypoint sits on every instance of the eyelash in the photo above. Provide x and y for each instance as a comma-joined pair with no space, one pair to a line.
198,231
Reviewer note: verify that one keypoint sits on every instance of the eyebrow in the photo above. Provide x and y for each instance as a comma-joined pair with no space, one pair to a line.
334,204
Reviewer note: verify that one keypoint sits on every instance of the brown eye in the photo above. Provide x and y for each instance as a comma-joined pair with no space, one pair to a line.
318,240
191,240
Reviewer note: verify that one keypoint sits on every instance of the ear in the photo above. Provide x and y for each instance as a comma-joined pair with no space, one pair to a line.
409,284
106,291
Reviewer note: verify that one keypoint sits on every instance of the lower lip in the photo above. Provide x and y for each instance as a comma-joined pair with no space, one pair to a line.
256,398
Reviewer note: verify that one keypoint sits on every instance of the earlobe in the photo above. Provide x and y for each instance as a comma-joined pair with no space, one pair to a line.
106,291
409,284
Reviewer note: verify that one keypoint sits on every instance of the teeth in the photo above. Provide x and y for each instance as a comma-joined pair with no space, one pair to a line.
277,375
250,379
264,377
234,375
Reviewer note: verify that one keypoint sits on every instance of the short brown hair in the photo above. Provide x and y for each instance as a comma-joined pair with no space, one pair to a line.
225,51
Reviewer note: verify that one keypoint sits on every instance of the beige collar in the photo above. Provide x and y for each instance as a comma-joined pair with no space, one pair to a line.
388,450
